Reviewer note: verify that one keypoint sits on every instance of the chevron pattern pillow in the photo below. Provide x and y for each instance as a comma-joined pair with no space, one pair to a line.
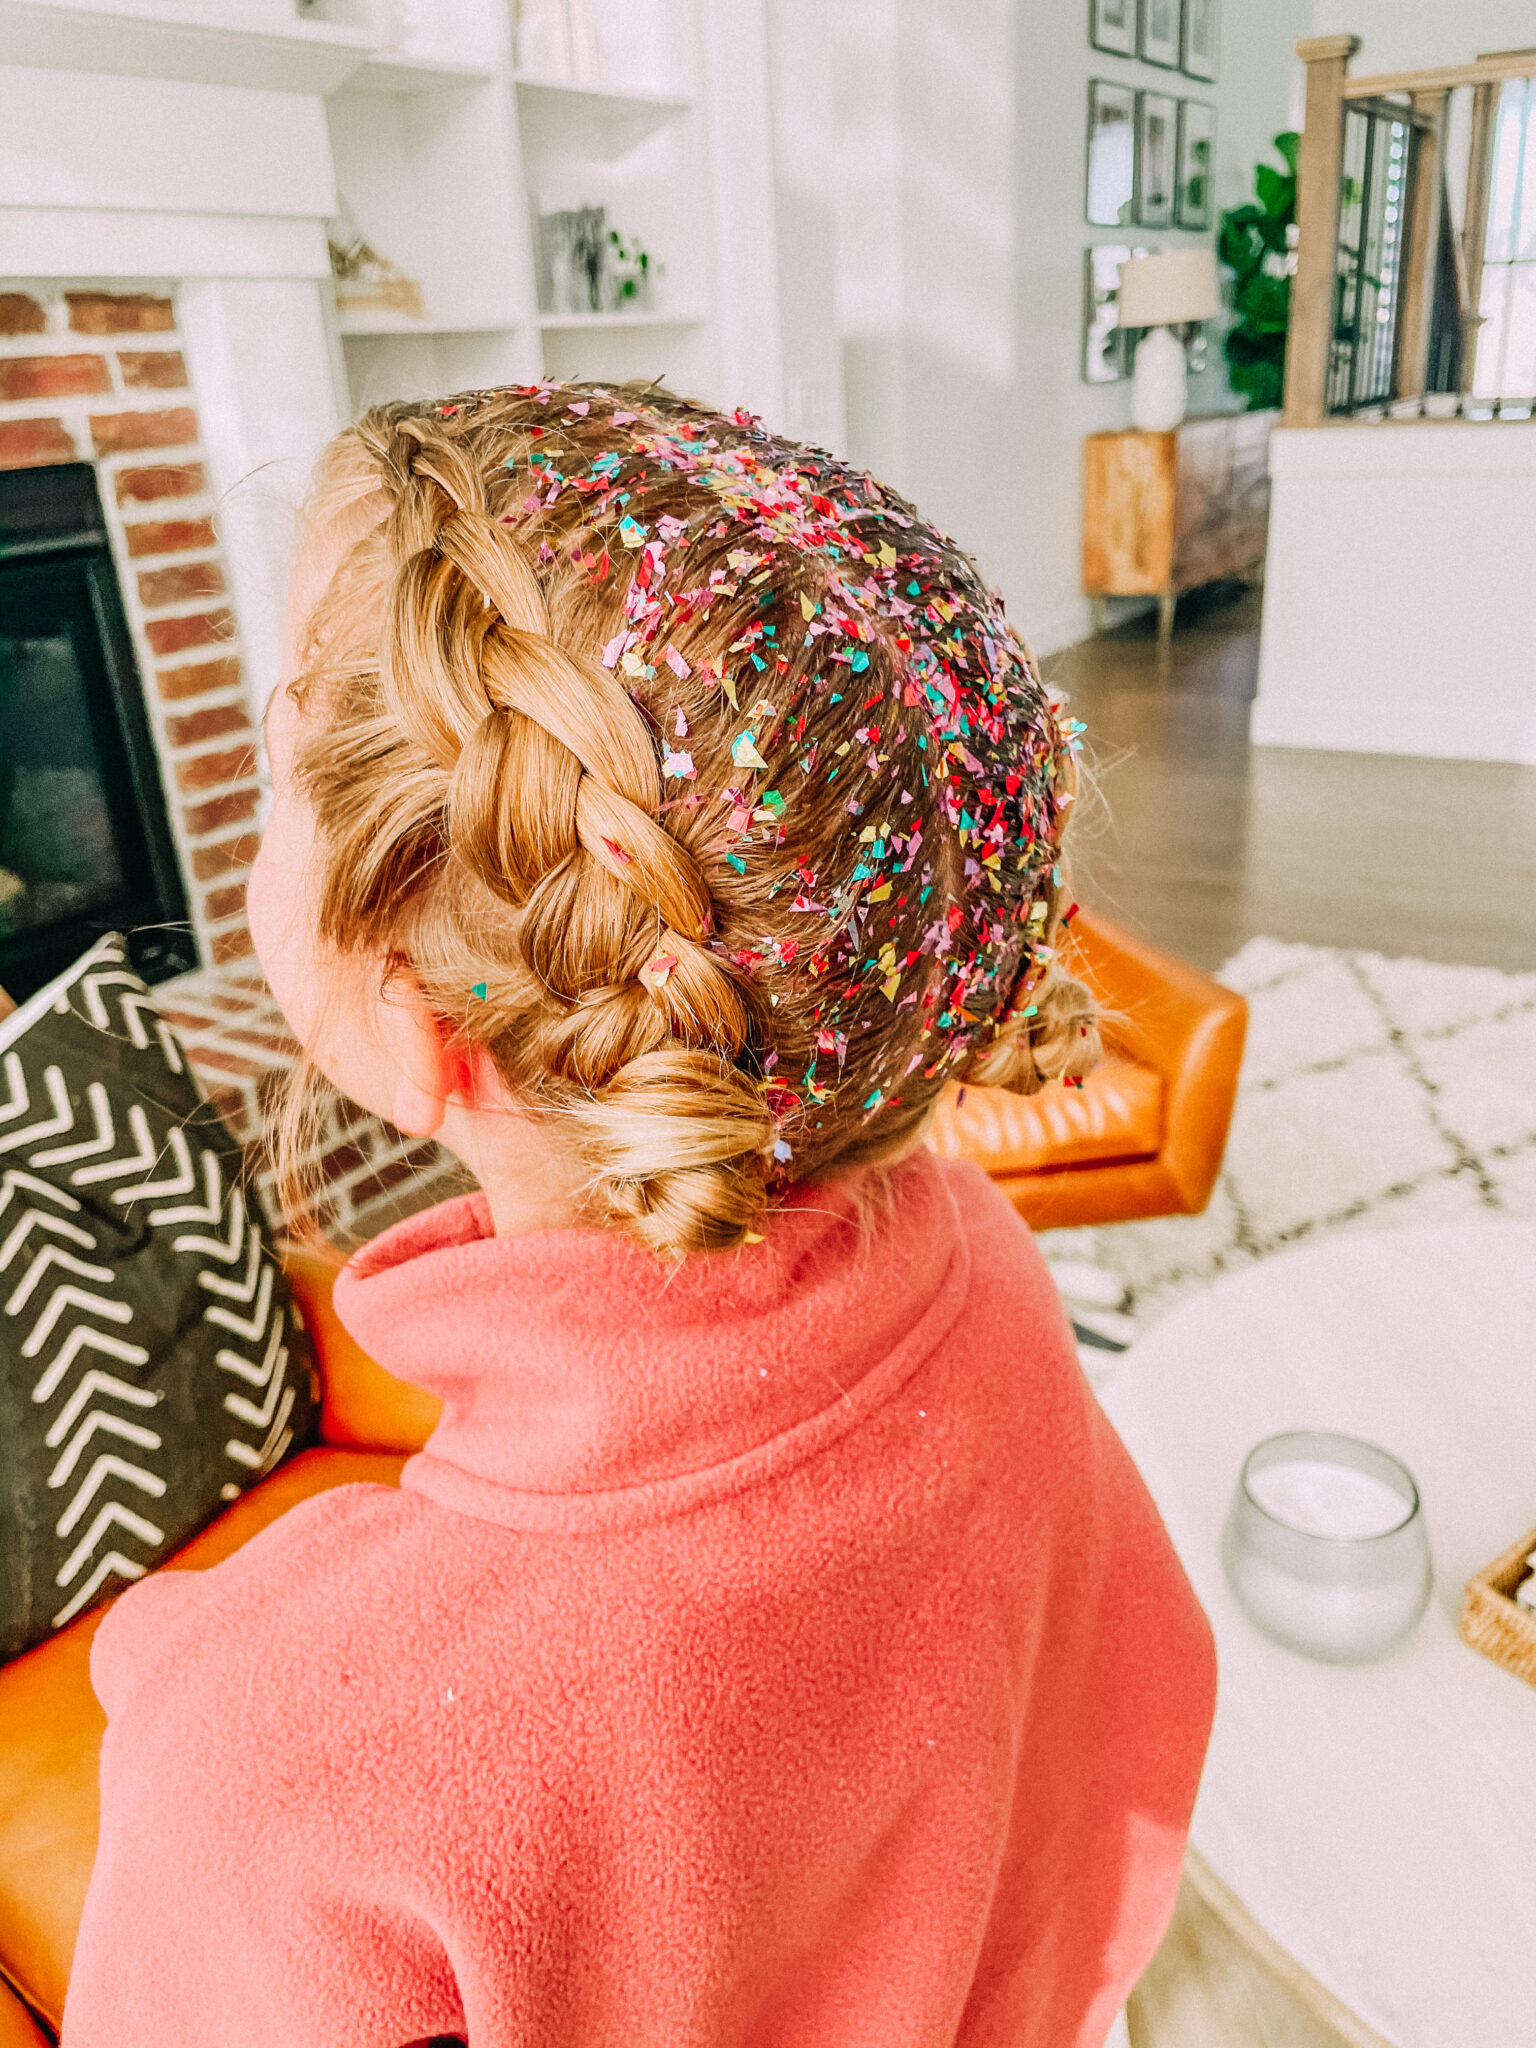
152,1363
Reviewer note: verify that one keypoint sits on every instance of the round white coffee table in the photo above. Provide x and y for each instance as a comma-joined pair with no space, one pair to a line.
1378,1822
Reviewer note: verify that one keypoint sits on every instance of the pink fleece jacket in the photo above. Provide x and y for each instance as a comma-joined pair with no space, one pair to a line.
778,1653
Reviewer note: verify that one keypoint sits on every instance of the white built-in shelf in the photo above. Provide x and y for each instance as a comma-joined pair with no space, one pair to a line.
560,323
592,120
355,321
202,46
612,100
390,71
448,152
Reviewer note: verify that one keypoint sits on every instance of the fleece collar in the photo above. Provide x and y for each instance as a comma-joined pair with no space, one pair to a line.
570,1362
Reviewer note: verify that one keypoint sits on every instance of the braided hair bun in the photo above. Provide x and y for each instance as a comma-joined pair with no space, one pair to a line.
696,780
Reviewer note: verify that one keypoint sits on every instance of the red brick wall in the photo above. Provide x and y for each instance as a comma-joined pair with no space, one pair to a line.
97,376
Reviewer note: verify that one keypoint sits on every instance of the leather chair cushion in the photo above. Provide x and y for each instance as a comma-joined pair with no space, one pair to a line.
50,1736
1116,1114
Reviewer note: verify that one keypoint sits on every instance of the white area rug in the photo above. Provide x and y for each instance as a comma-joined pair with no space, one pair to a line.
1375,1093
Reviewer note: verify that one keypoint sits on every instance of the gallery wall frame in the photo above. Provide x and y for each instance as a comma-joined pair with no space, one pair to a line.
1160,36
1195,178
1173,34
1112,26
1106,345
1157,131
1202,31
1110,193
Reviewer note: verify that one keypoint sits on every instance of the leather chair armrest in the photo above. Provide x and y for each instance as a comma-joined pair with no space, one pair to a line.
362,1406
18,2029
1161,1011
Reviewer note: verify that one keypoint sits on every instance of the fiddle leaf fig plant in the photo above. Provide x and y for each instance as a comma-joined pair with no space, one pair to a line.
1257,243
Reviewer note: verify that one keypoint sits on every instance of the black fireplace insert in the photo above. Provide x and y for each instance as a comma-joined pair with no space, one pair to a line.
85,844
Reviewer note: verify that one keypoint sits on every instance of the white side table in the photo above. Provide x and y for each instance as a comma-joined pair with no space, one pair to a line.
1378,1822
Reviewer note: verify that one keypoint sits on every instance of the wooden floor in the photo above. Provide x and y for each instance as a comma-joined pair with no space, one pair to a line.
1201,841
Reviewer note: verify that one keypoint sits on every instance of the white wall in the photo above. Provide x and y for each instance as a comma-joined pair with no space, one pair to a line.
804,117
961,242
1397,603
1402,35
259,356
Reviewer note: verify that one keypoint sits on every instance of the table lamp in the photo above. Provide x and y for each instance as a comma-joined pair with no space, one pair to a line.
1160,293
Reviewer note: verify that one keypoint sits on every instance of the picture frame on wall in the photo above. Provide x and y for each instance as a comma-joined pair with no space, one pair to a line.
1193,201
1202,28
1111,161
1157,135
1112,26
1160,39
1106,358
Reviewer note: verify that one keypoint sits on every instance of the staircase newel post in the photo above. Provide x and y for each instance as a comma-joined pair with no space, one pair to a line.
1314,287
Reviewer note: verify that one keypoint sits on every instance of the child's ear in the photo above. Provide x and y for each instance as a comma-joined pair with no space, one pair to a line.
419,1061
429,1069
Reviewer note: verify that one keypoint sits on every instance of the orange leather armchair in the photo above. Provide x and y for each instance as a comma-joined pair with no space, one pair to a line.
1144,1134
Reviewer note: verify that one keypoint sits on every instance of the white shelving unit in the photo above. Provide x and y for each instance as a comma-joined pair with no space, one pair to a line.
202,42
446,153
592,323
448,134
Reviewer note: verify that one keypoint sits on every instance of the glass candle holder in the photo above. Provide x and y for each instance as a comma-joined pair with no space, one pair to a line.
1325,1548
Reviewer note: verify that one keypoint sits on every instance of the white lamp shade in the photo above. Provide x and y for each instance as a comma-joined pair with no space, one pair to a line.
1166,290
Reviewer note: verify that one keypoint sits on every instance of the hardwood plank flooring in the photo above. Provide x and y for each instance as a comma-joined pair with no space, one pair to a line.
1201,841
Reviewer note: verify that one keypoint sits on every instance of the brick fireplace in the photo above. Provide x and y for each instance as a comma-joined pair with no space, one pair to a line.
100,377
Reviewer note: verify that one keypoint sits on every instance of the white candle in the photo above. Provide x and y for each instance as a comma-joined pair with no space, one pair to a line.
1323,1499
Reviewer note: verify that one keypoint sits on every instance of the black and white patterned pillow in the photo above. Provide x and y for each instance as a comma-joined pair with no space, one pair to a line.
152,1363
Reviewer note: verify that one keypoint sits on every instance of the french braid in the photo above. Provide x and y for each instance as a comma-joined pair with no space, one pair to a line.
535,779
693,963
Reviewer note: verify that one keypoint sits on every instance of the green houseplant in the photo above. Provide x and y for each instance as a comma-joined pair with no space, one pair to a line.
1255,244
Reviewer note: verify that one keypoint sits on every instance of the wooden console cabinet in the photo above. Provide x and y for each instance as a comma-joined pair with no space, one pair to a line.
1164,513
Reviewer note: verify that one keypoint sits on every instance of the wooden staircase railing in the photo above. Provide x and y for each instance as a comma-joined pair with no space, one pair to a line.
1413,107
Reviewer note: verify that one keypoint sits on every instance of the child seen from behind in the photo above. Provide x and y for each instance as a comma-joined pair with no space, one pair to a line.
773,1646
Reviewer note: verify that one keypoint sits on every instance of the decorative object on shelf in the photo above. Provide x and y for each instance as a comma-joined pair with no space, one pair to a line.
543,33
1498,1614
1105,359
1164,513
1257,243
623,42
630,273
573,260
582,35
364,280
1324,1547
1197,164
610,43
1163,292
400,23
1111,169
1112,26
1157,121
1159,39
587,267
1201,33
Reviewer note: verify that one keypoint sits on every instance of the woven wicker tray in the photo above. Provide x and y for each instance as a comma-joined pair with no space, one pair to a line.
1491,1619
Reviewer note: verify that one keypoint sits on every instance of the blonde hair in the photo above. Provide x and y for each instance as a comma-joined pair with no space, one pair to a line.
661,967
